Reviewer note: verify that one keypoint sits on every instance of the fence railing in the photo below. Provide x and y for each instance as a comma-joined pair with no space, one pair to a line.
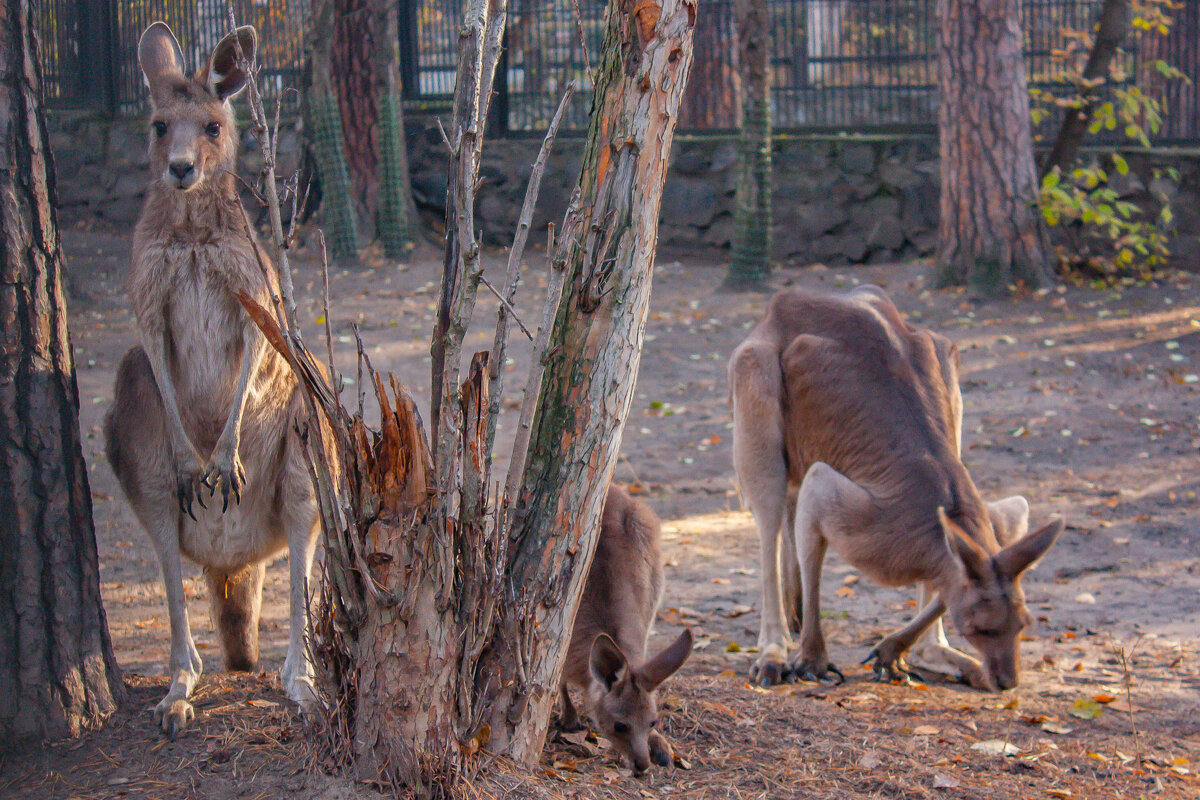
837,65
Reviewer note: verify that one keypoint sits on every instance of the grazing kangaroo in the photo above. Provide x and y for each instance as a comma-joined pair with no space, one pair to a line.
854,416
203,402
606,657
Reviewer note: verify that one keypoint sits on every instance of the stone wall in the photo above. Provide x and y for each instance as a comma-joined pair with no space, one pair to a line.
837,200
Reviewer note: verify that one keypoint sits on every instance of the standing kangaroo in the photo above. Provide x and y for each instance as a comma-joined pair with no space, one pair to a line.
203,402
842,405
606,657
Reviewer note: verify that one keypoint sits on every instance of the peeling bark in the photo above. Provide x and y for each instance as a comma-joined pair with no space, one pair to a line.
607,247
58,676
990,234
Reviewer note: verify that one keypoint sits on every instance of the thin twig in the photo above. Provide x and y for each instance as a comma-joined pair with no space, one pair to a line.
507,308
513,270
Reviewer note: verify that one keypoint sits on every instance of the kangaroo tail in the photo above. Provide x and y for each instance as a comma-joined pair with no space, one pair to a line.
236,603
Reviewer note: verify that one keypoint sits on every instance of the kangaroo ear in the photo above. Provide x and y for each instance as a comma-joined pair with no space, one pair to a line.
1010,519
1020,555
224,75
160,58
665,664
606,661
972,556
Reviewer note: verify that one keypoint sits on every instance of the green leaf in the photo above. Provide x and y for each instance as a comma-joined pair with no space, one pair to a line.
1051,180
1121,164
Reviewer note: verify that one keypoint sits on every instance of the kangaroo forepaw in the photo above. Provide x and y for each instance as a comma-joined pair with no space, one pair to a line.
770,669
660,750
187,489
173,715
818,670
890,668
226,471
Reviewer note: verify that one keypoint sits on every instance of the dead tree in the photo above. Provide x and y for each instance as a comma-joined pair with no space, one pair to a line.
447,606
57,671
990,233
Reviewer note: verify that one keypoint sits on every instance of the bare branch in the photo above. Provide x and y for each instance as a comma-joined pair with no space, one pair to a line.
513,271
506,308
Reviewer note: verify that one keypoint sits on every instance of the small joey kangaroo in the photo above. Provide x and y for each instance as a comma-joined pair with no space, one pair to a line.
606,657
203,403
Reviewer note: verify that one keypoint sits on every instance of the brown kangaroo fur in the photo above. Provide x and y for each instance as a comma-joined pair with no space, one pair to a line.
204,403
841,404
606,657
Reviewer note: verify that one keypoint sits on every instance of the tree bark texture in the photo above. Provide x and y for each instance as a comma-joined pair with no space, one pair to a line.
1111,28
607,249
365,66
57,671
712,100
990,234
750,252
323,128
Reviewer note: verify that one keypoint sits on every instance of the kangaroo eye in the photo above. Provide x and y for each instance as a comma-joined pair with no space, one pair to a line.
213,129
160,128
653,723
620,727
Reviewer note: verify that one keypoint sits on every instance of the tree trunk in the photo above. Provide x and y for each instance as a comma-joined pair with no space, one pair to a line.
990,234
324,130
712,100
447,614
57,671
751,247
365,66
1110,31
608,252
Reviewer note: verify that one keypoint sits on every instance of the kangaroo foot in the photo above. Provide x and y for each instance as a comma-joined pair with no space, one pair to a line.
172,714
770,669
966,668
817,670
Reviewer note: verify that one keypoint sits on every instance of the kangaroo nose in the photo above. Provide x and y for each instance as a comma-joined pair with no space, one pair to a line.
181,169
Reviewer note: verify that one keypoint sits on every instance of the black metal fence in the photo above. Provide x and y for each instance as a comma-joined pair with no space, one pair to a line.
856,65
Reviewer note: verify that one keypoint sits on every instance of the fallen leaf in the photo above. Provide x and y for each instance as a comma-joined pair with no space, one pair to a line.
869,761
1056,728
924,730
941,781
844,591
1086,708
1059,792
996,747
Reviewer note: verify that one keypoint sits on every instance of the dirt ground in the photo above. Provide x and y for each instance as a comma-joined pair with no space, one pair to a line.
1083,399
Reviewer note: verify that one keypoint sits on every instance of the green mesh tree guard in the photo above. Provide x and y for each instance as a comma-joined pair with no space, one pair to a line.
341,231
392,222
751,245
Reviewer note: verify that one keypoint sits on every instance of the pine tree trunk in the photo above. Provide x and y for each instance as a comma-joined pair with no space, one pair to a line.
990,234
608,251
365,66
751,247
57,671
323,126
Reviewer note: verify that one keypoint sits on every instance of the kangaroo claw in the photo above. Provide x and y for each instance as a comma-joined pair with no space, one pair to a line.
818,671
891,670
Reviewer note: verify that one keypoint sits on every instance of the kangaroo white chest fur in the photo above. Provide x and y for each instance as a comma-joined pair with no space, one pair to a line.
202,432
